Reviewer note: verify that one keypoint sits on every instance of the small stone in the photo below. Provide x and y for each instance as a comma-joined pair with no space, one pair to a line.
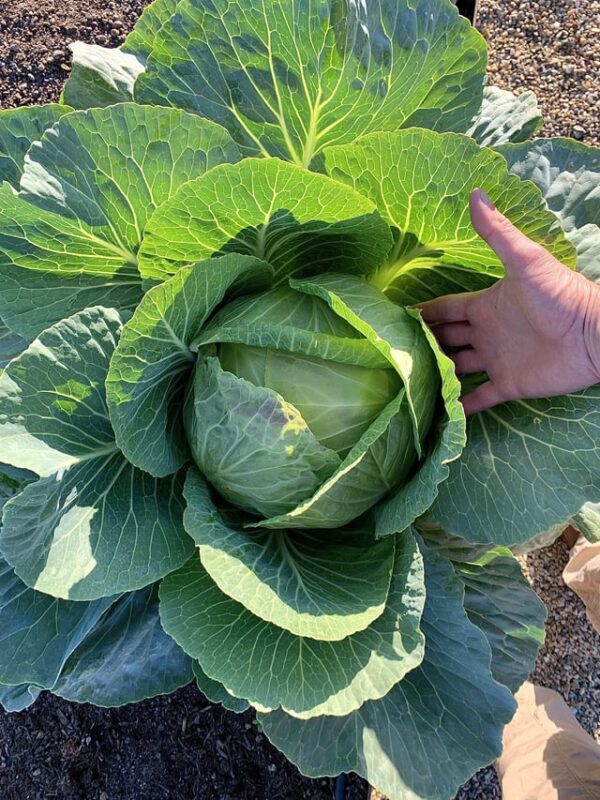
578,132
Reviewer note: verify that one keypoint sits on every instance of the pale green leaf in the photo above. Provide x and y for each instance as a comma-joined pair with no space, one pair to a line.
251,444
587,521
37,632
70,238
528,465
153,360
413,179
297,221
324,587
94,524
217,693
433,730
390,329
505,117
289,78
446,442
568,175
100,76
18,698
127,657
19,127
379,461
271,667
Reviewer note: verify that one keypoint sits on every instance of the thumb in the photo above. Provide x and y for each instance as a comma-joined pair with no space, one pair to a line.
513,248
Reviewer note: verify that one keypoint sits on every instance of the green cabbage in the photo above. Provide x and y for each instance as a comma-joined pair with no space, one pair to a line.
231,449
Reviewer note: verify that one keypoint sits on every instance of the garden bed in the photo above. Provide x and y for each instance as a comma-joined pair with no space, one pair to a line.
181,745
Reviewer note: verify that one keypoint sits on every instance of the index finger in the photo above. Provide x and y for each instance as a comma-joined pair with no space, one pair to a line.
450,308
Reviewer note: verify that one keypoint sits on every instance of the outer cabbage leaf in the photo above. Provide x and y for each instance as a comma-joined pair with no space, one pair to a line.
288,78
12,481
217,693
69,238
587,521
102,76
271,667
19,127
498,599
434,729
10,345
413,179
38,633
93,525
527,465
505,117
153,360
311,585
126,657
295,220
18,698
568,175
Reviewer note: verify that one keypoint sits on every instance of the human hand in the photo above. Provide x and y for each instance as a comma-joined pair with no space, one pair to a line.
536,332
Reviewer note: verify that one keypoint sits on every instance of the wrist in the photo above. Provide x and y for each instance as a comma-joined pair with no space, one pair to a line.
591,329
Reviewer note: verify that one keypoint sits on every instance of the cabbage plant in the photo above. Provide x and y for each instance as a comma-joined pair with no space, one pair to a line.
233,452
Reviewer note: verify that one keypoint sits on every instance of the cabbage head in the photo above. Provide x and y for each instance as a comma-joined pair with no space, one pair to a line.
231,451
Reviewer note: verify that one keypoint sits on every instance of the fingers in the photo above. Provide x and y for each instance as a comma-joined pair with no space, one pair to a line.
450,308
468,361
515,250
485,396
453,334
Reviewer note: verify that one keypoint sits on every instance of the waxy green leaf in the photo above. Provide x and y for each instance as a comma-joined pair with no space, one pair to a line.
324,587
69,238
153,360
288,78
271,667
93,525
428,734
296,221
126,657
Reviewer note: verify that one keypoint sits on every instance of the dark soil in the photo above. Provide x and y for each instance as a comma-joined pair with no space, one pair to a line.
168,748
34,34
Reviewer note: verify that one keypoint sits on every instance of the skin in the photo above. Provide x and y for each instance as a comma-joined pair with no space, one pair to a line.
536,332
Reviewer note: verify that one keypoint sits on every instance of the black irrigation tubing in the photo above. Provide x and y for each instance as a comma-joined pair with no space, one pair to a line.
340,786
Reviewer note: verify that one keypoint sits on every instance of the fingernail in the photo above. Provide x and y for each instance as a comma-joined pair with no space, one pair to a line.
485,199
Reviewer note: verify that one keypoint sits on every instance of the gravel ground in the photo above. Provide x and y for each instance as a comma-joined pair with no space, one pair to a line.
63,751
553,48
